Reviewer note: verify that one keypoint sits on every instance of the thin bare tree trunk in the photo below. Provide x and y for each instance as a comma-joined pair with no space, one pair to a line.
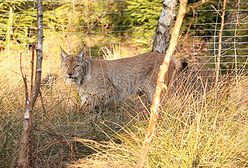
39,48
160,84
235,38
217,66
24,158
162,37
25,153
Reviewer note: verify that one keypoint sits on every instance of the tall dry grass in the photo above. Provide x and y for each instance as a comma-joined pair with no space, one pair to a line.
57,116
194,130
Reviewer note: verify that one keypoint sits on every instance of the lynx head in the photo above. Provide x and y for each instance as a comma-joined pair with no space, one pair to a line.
74,67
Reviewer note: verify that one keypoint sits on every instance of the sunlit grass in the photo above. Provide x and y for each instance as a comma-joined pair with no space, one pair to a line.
56,118
115,52
195,129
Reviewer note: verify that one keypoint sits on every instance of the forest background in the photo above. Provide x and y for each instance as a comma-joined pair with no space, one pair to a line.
95,24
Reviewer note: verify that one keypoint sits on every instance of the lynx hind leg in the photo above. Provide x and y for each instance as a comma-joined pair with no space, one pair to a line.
150,94
148,90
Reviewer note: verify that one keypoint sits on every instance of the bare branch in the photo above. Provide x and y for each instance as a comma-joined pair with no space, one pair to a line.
24,78
32,72
217,66
235,38
160,84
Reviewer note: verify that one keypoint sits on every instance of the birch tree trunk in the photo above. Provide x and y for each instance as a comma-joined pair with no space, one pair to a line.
25,153
165,23
160,84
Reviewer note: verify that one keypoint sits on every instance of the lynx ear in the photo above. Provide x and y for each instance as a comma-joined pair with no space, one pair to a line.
63,53
81,54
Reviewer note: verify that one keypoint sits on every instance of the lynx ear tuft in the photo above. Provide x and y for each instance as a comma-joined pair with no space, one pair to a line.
63,53
81,54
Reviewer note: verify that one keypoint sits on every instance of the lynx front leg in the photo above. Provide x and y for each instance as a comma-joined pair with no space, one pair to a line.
93,102
96,94
86,103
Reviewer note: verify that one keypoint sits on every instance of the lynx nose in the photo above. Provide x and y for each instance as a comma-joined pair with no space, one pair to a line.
70,75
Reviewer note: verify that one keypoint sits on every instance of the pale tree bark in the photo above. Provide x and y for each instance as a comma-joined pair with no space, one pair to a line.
39,49
162,35
25,152
160,84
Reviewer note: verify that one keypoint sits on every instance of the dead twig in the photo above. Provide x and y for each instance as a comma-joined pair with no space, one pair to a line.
24,78
32,72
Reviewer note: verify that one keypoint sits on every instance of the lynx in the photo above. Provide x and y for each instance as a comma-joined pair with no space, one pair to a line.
101,82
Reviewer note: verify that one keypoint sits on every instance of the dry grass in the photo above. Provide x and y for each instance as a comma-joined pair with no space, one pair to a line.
117,52
57,116
194,129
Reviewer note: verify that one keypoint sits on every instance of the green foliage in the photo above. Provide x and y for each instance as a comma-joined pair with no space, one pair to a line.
142,16
18,20
99,23
144,12
72,18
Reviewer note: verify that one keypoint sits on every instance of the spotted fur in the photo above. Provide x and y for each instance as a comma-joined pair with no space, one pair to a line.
101,82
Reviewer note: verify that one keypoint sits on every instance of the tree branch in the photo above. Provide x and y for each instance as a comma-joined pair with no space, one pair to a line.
217,66
160,84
